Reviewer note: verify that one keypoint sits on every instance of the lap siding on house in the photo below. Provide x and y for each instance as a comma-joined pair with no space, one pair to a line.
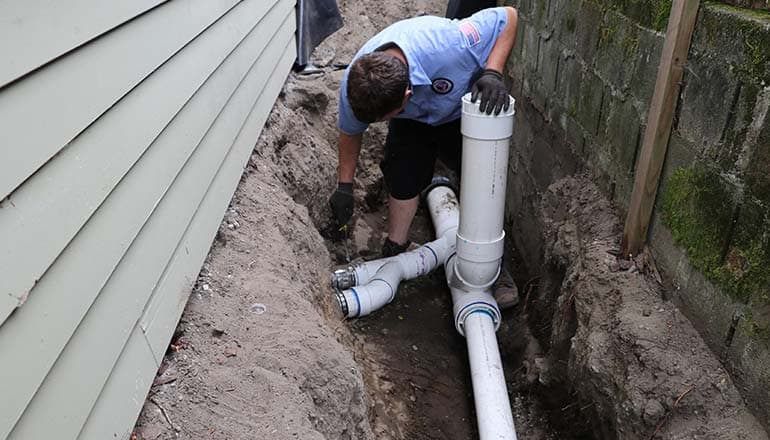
123,135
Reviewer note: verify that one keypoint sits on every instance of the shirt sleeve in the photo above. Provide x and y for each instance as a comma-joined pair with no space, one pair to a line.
347,121
481,30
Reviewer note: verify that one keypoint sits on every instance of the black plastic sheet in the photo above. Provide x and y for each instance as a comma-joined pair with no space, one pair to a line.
316,20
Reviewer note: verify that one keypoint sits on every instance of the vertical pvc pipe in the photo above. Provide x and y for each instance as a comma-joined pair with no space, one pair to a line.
490,394
482,197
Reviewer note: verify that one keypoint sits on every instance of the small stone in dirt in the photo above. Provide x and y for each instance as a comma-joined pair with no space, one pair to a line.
206,288
258,308
217,332
653,411
413,398
646,312
414,347
231,351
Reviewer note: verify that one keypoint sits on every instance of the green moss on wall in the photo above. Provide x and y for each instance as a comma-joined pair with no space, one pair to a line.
661,12
647,13
697,206
745,33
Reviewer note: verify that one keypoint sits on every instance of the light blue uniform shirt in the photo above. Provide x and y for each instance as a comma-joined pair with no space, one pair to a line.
443,55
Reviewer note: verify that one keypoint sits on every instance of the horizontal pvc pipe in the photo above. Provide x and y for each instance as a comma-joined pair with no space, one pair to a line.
490,394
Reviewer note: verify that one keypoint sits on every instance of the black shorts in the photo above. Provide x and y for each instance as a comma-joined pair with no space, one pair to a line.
411,149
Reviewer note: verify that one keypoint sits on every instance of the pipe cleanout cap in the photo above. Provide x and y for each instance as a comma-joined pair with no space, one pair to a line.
479,125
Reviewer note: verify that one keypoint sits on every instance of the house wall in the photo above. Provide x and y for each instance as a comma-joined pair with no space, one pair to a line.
124,131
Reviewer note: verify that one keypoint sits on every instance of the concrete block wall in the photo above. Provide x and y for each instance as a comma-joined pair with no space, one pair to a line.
583,73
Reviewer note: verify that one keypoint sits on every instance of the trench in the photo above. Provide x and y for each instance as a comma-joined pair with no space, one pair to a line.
296,369
415,364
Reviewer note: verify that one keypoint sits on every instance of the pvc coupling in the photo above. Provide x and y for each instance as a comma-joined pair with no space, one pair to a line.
469,303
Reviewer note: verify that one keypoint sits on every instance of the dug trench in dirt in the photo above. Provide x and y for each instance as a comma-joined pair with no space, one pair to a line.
262,353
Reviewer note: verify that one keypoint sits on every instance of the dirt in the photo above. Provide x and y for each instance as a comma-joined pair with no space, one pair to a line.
630,360
262,351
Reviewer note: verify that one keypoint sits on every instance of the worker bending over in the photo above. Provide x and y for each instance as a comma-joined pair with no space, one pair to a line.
414,74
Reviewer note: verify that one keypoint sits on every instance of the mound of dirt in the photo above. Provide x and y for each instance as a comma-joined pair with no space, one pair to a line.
631,359
261,351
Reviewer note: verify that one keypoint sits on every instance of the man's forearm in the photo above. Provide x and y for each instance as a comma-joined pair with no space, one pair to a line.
504,44
349,146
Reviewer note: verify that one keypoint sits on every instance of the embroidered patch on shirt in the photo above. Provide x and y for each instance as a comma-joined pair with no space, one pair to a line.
472,35
442,86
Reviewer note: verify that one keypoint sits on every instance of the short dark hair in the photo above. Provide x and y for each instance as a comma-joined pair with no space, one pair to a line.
376,85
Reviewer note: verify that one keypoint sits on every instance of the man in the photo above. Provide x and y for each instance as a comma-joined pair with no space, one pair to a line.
413,74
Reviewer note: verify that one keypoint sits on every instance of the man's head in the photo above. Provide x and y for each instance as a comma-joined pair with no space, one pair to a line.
378,86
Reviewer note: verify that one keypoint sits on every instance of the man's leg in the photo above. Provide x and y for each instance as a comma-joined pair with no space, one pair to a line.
400,215
408,168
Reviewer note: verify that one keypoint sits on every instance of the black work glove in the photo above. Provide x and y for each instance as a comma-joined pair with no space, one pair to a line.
491,89
341,203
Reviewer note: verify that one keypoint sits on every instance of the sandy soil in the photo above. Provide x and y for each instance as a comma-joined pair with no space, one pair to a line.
262,352
629,359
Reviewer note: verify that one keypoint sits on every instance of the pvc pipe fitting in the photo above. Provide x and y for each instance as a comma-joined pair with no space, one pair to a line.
360,301
467,302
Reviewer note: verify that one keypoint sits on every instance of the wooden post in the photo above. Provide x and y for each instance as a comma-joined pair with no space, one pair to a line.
659,121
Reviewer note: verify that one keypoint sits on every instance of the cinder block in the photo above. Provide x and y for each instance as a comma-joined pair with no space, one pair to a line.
526,8
575,136
757,176
710,311
618,48
645,67
680,154
622,131
591,94
568,83
530,49
737,39
548,63
748,358
705,103
587,24
564,16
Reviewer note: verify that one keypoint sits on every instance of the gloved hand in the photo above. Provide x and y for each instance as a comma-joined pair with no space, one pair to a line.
341,203
491,89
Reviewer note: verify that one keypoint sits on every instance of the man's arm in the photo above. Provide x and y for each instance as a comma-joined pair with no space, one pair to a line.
504,43
490,86
349,146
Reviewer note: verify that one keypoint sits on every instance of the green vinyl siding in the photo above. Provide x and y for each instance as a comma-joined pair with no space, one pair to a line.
108,215
50,29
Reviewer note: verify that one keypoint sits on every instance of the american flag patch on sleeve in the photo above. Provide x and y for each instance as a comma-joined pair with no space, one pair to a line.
472,35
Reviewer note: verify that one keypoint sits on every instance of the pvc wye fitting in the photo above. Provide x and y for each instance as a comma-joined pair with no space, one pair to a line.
478,263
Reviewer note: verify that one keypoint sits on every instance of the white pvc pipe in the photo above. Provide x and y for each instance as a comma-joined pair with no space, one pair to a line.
490,394
480,236
369,286
471,250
